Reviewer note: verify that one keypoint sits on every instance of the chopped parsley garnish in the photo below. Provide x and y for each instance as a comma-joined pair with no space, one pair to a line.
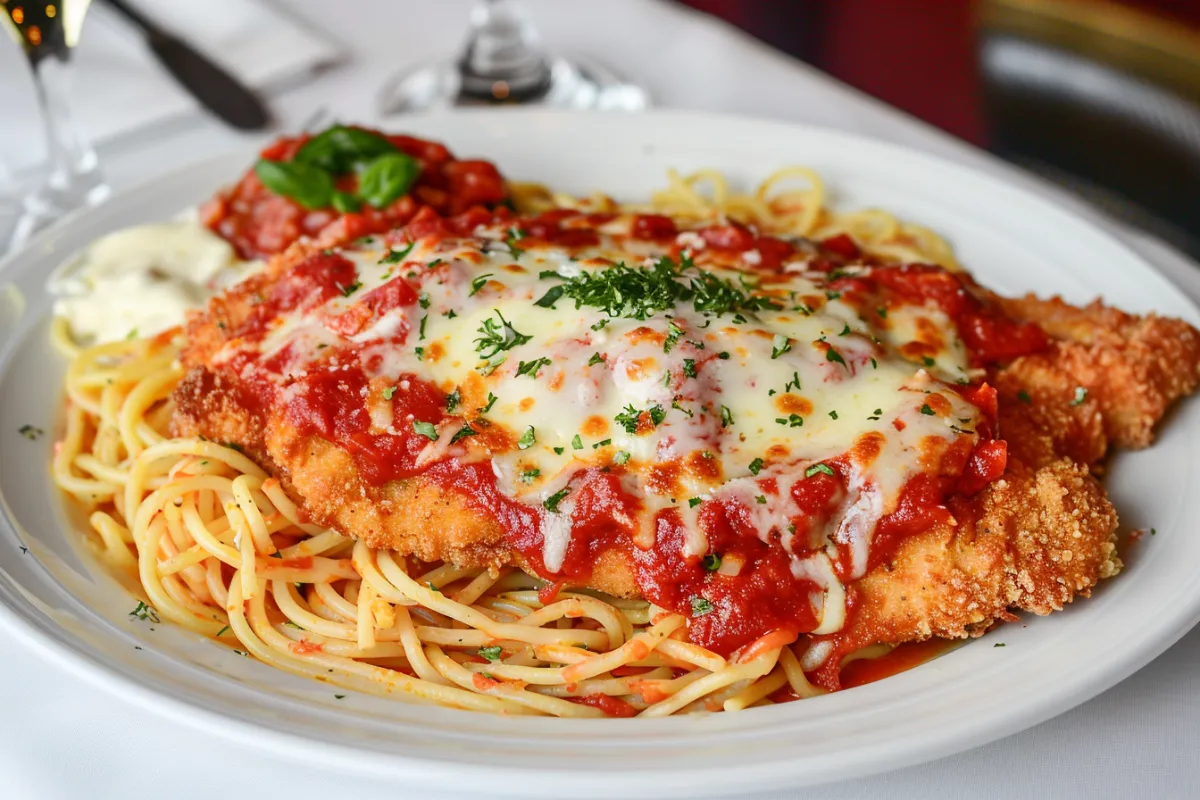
551,503
222,630
673,334
421,330
815,468
1080,395
712,562
463,433
882,312
833,414
792,420
420,353
1024,397
491,402
621,457
877,414
478,283
339,697
701,606
31,432
453,400
531,368
433,588
689,367
845,330
998,644
599,325
726,417
527,439
530,475
926,410
491,365
756,466
577,442
496,337
389,392
595,359
423,299
630,417
761,499
780,345
144,612
694,501
831,295
490,653
558,451
396,256
794,383
641,292
835,356
601,443
428,430
433,263
927,361
351,288
451,314
515,235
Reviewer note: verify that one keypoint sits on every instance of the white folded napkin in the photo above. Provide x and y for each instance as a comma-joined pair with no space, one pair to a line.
119,86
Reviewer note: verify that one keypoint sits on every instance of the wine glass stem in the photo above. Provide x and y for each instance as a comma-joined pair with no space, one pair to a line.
74,177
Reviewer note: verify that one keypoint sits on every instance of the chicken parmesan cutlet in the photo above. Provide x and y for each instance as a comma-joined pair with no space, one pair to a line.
766,435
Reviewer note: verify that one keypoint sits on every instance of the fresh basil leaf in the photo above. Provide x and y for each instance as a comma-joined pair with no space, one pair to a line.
341,149
309,186
387,178
346,202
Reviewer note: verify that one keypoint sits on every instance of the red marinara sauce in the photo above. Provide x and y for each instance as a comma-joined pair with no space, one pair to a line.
259,223
726,609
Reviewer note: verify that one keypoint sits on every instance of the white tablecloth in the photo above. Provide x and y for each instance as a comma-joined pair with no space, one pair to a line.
59,738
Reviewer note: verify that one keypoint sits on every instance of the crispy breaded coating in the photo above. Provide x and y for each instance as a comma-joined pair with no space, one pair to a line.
1133,366
1032,541
1040,538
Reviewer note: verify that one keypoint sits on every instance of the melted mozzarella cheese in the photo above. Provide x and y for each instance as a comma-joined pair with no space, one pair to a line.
694,405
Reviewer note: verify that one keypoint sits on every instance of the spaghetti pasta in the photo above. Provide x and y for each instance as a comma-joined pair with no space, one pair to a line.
216,545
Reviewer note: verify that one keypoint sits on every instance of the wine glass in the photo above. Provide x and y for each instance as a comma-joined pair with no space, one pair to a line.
47,32
504,63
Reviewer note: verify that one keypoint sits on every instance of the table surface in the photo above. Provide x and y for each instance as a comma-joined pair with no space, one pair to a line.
61,738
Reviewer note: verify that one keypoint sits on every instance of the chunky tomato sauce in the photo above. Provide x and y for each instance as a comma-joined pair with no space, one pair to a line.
259,223
756,592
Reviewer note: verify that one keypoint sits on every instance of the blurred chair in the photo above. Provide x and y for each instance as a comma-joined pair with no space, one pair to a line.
1102,98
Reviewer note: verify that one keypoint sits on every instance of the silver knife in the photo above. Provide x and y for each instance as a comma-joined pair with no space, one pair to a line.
217,90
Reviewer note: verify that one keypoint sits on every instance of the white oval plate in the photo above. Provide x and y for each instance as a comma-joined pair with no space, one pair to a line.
55,599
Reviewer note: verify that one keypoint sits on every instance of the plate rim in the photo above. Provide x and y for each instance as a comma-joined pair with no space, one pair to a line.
108,677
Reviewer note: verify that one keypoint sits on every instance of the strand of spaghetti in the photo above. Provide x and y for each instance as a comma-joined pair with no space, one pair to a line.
638,647
414,651
366,621
287,597
252,514
272,489
60,337
711,683
757,690
470,616
609,686
692,654
581,606
147,544
772,640
478,585
247,571
795,675
268,645
303,642
486,686
334,603
86,490
145,393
